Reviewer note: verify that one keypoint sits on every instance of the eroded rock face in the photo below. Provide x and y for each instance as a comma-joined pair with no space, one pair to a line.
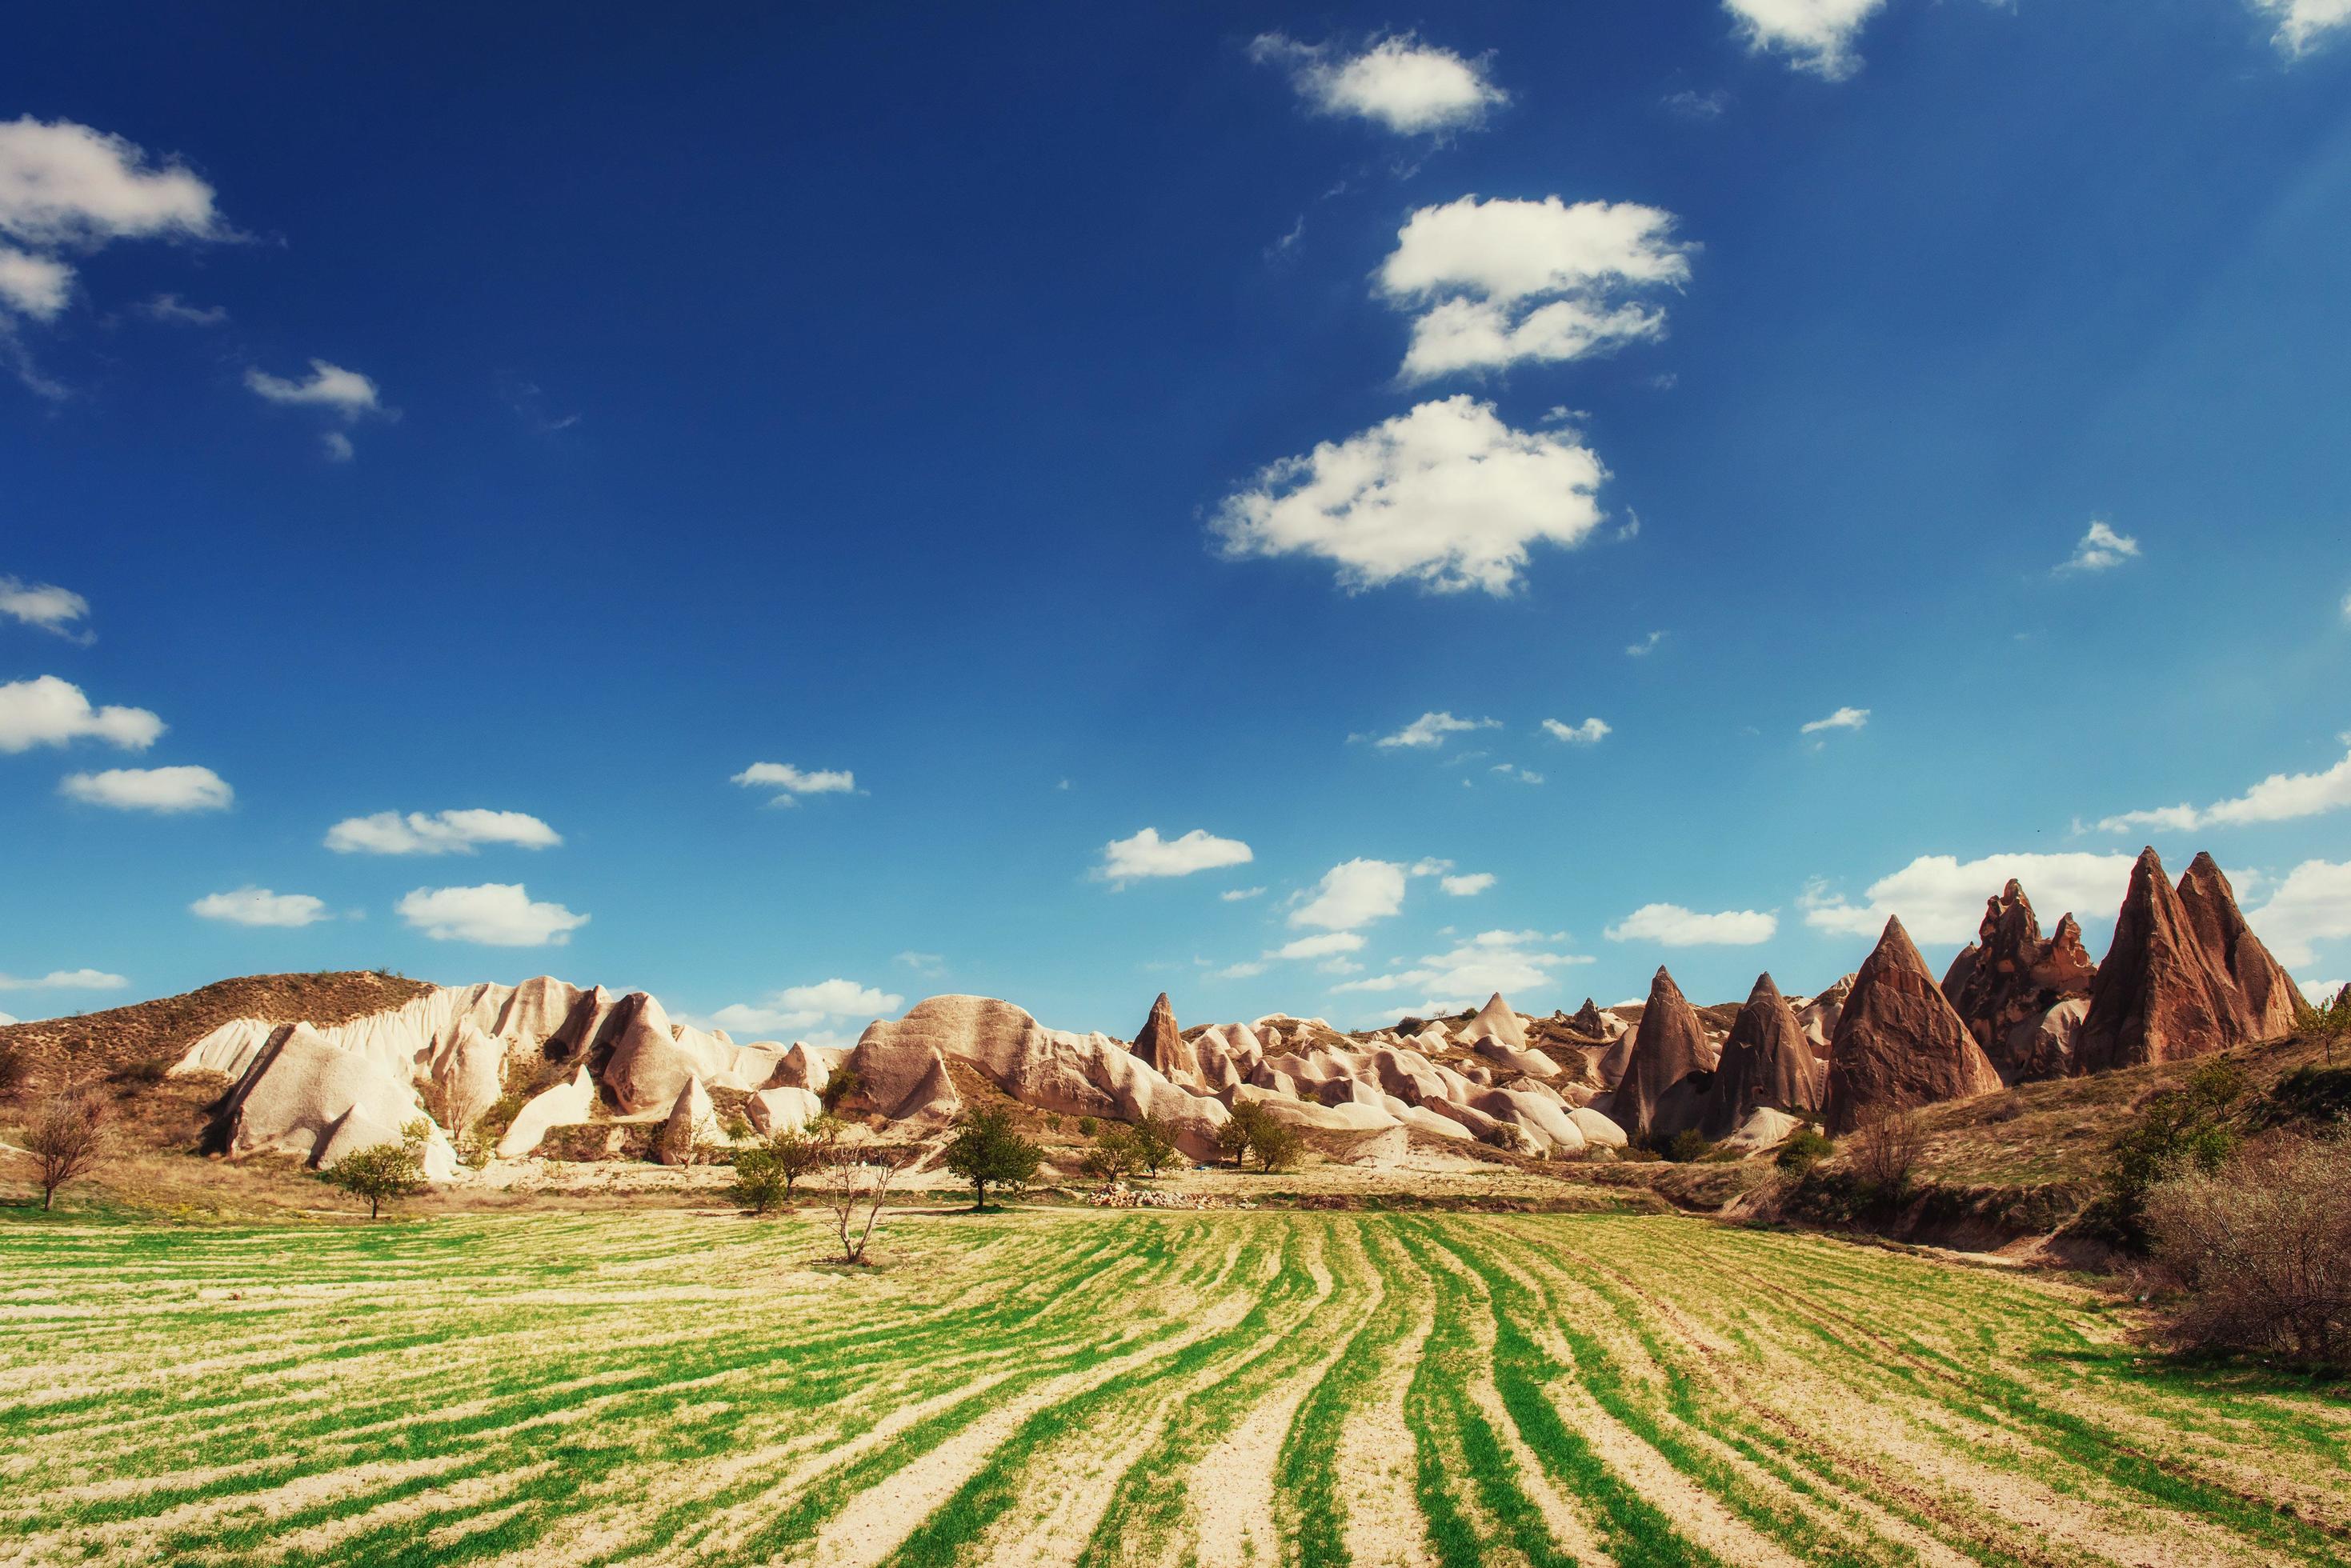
2005,982
1588,1022
2162,995
2265,991
1818,1015
1497,1023
303,1095
1670,1044
1767,1064
1162,1046
1898,1043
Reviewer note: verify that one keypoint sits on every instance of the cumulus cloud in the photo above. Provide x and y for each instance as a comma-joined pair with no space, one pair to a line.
66,980
260,907
1468,886
1148,855
2311,905
164,790
1817,35
2101,549
2280,797
1843,719
1430,729
45,606
1941,897
1488,962
495,913
65,187
34,285
2321,992
1445,495
1491,283
330,386
48,711
798,1009
1590,733
1331,944
439,833
1398,82
2305,24
1352,894
1670,925
790,783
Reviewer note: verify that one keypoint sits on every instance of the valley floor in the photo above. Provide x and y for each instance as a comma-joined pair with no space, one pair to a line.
1076,1386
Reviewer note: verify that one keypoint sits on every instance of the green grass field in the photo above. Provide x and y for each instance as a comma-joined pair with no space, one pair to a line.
1072,1386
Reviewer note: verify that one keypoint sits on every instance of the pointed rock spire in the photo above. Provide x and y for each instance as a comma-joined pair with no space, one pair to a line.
1588,1023
2264,989
1767,1063
2006,982
1495,1022
1162,1046
2159,996
1898,1043
1669,1046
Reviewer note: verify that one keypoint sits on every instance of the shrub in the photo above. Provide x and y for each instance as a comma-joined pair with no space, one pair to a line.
2331,1022
2260,1246
1088,1126
986,1151
765,1173
1884,1152
2177,1131
1113,1155
843,1083
67,1139
383,1171
1805,1148
1154,1143
2312,1094
1687,1145
1233,1137
15,1068
1276,1143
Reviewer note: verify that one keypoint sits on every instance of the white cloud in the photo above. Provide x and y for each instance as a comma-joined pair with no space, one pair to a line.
66,980
8,1018
2311,905
260,907
1430,730
1428,865
1331,944
2101,549
67,185
1400,83
2280,797
2321,992
1489,962
177,312
337,447
1817,35
44,604
1495,282
1590,732
497,914
1646,646
166,790
48,711
789,782
1445,495
1148,855
1670,925
1941,897
1512,771
33,285
1688,104
1352,894
438,833
1468,886
330,386
1249,970
921,962
797,1009
1843,719
2305,24
1234,894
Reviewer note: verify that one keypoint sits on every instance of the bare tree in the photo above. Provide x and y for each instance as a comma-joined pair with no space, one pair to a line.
2261,1249
854,1180
1885,1150
67,1139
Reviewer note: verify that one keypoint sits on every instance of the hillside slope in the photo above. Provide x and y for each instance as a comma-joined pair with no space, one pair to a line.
152,1033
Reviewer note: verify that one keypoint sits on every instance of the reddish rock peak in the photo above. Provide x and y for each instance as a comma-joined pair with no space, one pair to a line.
1898,1042
2158,997
1162,1046
2265,992
1766,1062
2005,987
1669,1046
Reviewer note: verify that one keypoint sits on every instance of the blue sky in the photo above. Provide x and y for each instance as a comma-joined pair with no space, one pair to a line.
795,515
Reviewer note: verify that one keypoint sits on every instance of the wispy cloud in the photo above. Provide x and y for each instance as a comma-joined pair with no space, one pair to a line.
1843,719
2100,550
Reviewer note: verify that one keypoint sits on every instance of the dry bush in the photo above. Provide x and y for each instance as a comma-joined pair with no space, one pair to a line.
66,1139
2261,1248
1883,1151
855,1178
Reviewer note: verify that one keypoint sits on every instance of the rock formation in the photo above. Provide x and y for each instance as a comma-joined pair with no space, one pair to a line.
1898,1043
2169,987
2005,982
1767,1064
1818,1015
1162,1046
1589,1024
1494,1022
1669,1046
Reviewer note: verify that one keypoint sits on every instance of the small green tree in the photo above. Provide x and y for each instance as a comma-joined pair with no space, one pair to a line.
765,1173
1805,1148
1154,1143
988,1151
1113,1155
1275,1143
2178,1131
1233,1138
382,1171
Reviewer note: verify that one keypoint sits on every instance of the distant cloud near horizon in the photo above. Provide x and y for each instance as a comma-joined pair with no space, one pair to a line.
1941,897
1465,976
1446,495
1494,282
797,1009
260,907
1843,719
48,711
789,781
165,791
495,914
1146,855
2280,797
1397,82
2100,550
66,980
1672,926
439,833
